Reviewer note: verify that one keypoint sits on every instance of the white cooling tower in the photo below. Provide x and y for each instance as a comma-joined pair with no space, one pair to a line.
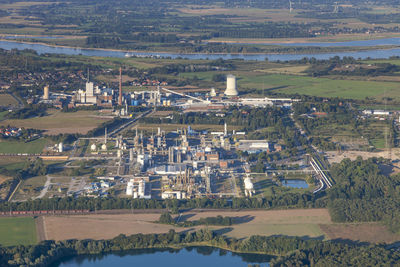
231,86
46,92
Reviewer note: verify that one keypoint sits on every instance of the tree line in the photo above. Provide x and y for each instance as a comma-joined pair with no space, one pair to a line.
292,251
166,218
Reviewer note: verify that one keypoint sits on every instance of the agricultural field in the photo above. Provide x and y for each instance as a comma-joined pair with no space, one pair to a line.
251,222
7,100
60,122
310,223
17,231
15,147
265,83
362,232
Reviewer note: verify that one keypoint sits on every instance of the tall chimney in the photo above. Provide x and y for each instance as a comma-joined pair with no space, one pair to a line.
120,87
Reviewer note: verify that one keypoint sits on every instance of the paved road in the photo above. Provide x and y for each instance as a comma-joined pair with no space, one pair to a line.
45,188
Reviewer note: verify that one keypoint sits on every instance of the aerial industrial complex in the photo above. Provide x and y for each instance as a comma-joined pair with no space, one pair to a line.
163,163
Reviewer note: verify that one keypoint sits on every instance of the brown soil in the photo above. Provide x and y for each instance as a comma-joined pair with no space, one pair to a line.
365,232
40,232
103,226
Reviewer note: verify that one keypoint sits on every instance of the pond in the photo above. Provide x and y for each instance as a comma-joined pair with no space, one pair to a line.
191,256
295,183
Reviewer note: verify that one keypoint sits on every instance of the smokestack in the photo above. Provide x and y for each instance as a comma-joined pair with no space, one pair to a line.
120,87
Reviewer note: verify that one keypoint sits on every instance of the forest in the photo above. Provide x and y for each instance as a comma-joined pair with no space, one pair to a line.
362,193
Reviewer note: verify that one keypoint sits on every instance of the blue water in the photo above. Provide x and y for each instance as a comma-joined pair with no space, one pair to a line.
40,48
189,257
295,183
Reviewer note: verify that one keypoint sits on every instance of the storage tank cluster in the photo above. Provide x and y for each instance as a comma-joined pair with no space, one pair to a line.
173,194
132,191
231,89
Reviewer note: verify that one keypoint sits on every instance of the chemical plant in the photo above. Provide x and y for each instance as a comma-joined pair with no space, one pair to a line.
181,163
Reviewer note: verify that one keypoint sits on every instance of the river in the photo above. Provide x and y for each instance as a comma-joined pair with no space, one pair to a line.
192,256
376,53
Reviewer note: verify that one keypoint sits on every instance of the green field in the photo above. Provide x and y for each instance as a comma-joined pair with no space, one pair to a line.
294,84
2,114
17,231
33,147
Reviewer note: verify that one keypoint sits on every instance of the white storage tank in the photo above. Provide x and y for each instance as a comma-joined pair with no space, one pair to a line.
141,188
60,147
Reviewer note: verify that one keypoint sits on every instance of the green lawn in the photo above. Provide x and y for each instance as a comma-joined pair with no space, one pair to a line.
17,231
32,147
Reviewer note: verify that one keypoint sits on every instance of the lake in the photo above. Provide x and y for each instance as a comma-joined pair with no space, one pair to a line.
378,53
295,183
191,256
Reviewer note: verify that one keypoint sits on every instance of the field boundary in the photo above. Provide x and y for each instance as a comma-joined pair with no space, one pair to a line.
40,228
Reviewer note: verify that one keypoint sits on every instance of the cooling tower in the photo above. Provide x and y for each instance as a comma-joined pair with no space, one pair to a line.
231,86
46,92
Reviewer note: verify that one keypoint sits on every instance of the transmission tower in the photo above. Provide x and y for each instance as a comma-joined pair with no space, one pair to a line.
336,8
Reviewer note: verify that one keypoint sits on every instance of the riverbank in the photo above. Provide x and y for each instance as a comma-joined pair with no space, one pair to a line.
322,39
272,49
287,248
114,53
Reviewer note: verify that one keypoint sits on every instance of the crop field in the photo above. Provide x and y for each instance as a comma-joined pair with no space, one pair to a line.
13,147
289,222
7,100
324,87
296,84
310,223
60,122
17,231
365,232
